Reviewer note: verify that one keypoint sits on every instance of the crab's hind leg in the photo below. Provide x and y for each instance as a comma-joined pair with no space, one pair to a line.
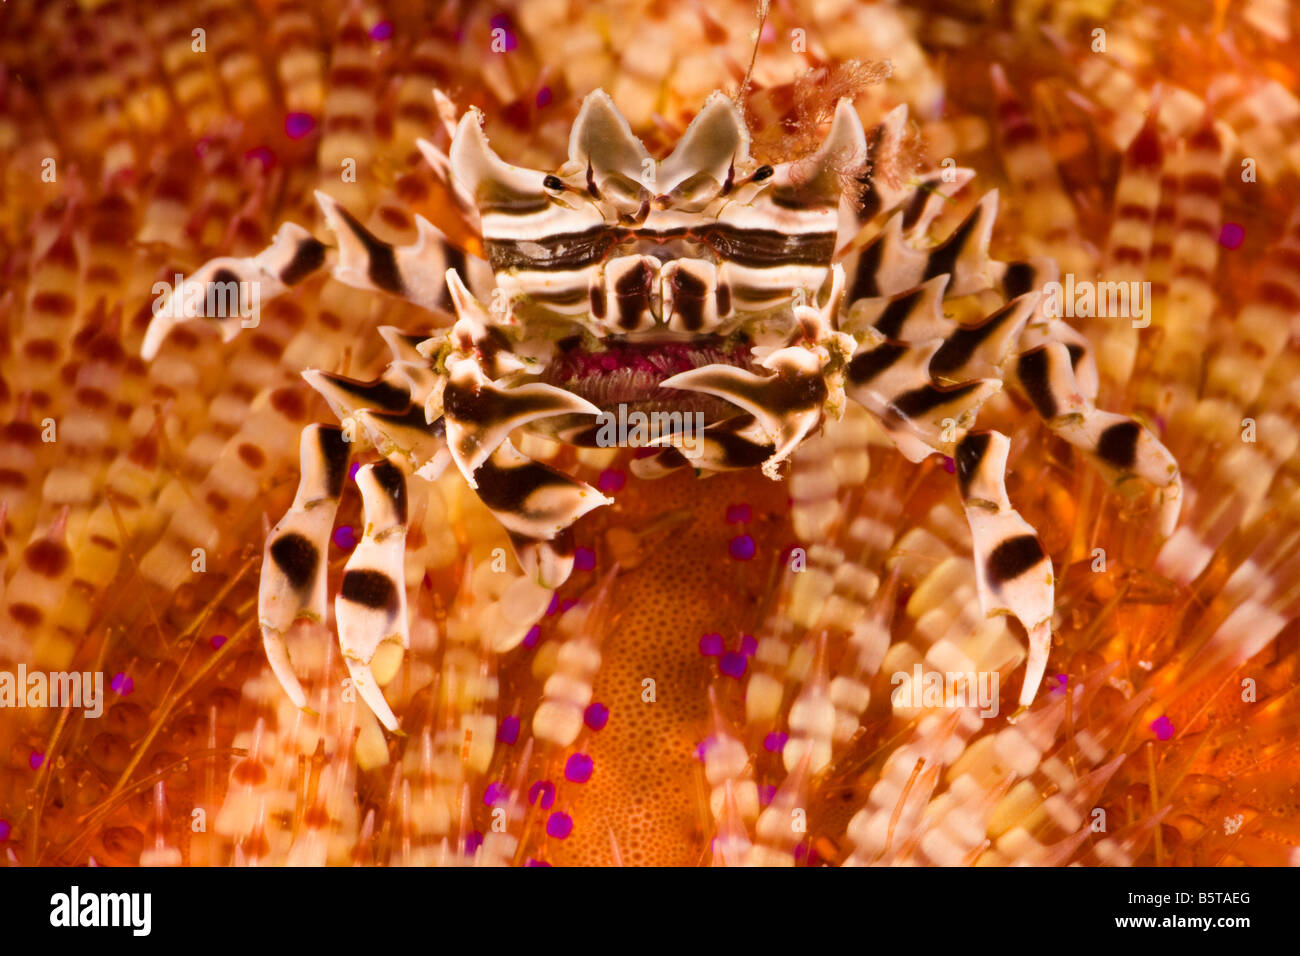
293,581
1120,445
370,608
1012,572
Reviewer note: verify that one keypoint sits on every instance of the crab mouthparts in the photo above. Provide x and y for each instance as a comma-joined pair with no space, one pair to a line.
628,374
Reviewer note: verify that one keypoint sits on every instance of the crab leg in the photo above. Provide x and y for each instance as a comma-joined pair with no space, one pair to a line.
361,260
294,254
893,382
1012,572
293,567
371,604
1120,445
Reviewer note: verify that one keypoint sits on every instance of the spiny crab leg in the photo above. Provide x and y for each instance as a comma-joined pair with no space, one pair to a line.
893,382
1120,444
371,604
362,260
293,567
411,272
1012,572
294,254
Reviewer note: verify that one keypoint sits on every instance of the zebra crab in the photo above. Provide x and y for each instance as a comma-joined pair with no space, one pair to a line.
761,297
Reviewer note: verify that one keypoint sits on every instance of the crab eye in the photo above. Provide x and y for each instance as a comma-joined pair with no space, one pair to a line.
554,183
763,172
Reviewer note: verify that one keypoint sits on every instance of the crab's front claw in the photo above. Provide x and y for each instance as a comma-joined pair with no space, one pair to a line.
480,414
787,404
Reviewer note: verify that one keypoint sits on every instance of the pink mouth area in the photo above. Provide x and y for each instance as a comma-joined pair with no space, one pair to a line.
625,374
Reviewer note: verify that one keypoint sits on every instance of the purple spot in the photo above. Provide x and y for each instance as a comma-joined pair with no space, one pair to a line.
543,97
702,748
1062,680
353,469
1231,236
298,125
4,830
473,842
711,645
800,853
122,684
554,605
739,514
542,793
568,603
383,30
742,547
263,155
578,768
217,641
774,743
502,22
508,732
532,862
1163,728
733,664
748,645
494,792
35,760
596,716
611,480
344,537
766,793
584,559
559,825
533,636
949,465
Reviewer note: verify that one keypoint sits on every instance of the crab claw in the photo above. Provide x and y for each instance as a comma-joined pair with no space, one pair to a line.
787,403
536,505
480,414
